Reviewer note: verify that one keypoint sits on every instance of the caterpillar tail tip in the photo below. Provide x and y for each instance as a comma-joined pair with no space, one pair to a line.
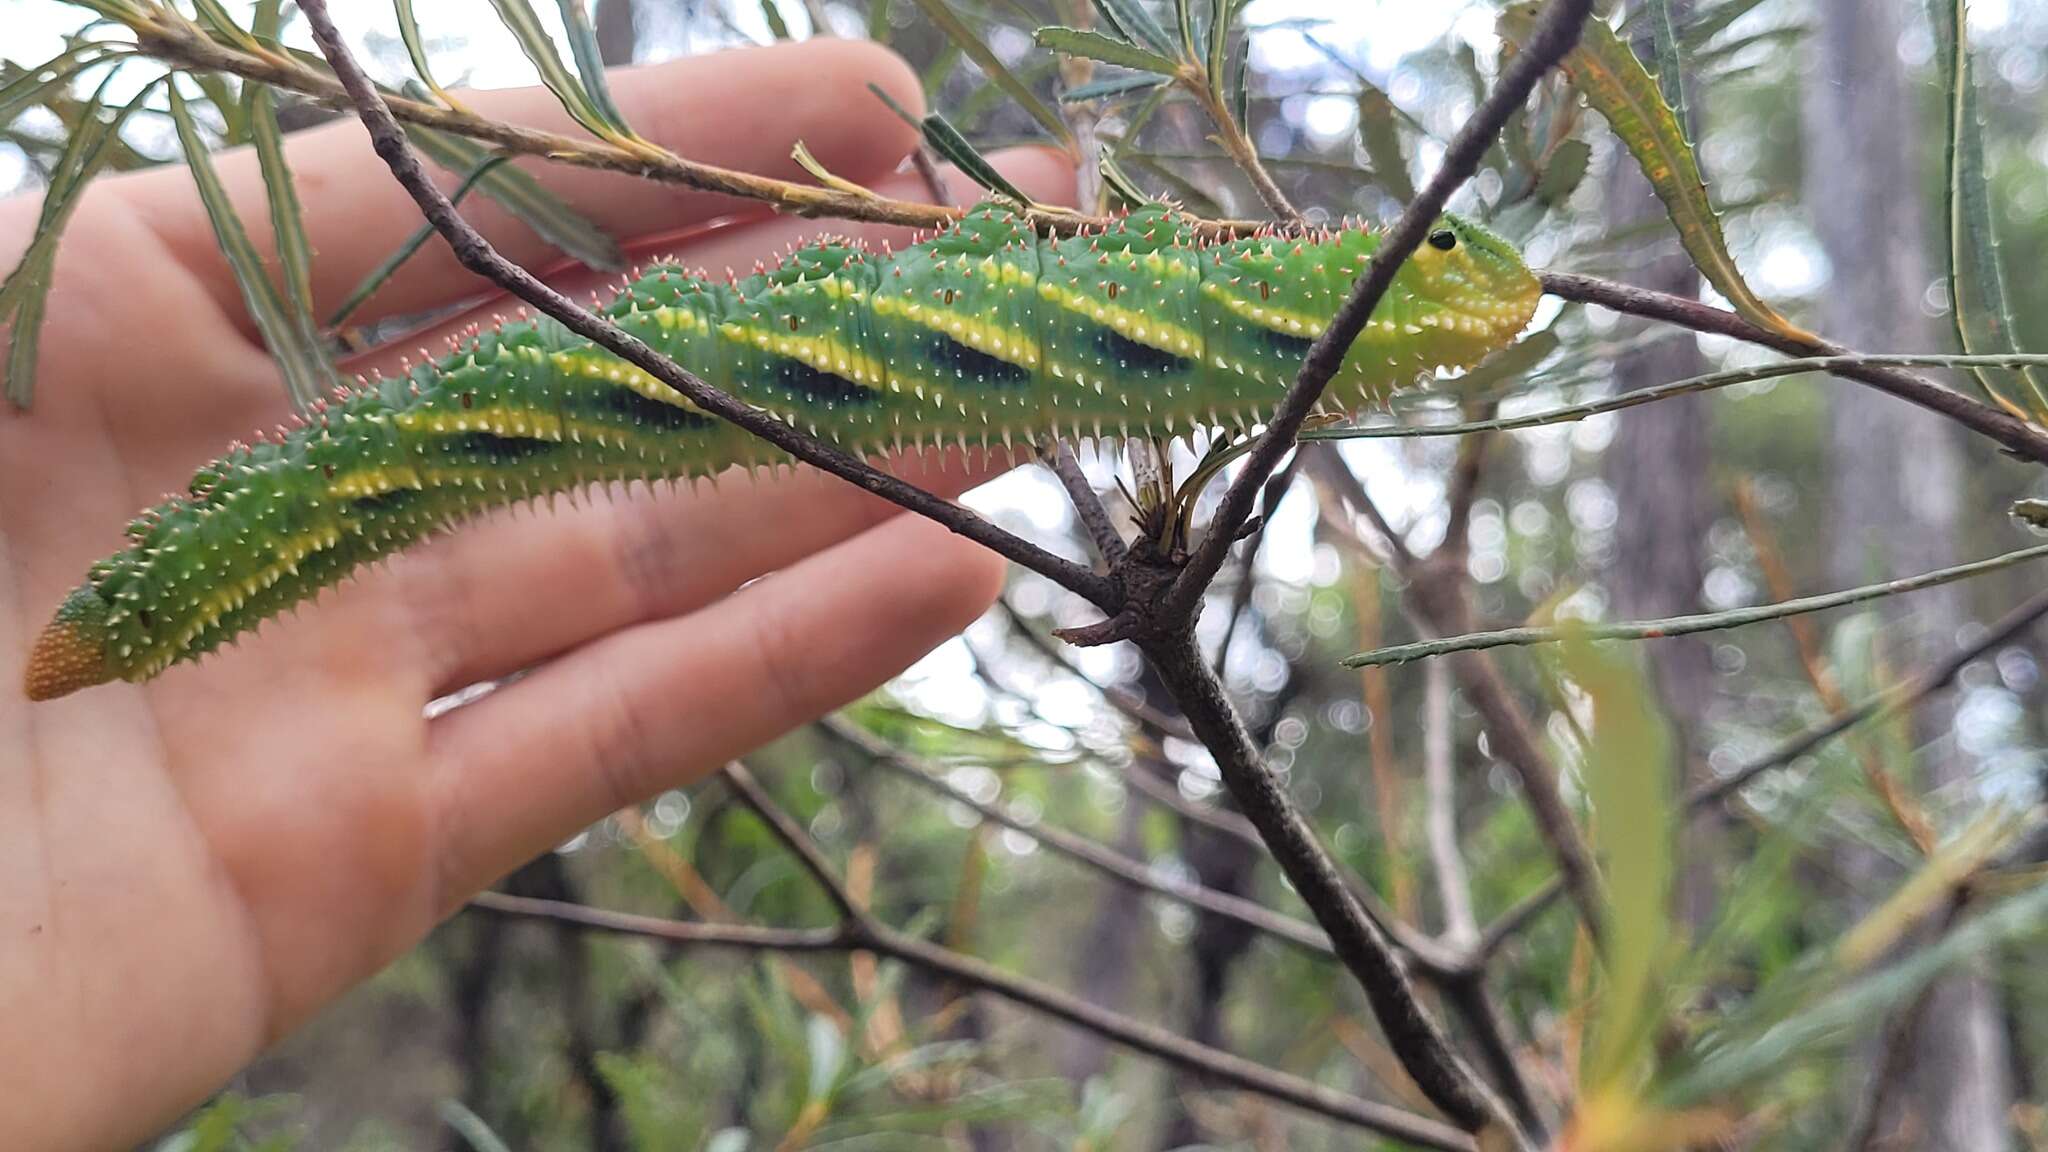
66,657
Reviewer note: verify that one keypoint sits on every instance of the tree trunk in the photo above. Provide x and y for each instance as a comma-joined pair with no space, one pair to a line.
1659,469
1895,476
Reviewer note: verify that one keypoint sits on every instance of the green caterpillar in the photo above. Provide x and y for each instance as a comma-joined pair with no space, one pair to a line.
983,332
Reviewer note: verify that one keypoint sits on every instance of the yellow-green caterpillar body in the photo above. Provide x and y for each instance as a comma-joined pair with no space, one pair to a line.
983,333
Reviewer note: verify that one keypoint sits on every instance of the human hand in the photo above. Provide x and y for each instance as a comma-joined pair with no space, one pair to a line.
194,866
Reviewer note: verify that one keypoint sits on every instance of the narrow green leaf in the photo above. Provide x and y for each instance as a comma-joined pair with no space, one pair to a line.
1184,15
941,13
28,87
1978,306
1114,86
287,223
1628,773
519,193
524,24
878,21
1619,88
1381,137
215,18
1219,48
416,49
1096,46
947,141
777,26
267,21
413,243
23,293
301,365
1770,1040
25,334
1137,25
1120,181
590,61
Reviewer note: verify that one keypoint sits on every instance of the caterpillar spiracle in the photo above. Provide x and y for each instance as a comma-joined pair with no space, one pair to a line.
981,332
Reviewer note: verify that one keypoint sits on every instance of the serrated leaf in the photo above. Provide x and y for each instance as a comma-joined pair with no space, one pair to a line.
984,57
1137,25
590,61
1381,137
1219,46
302,366
1096,46
519,193
1620,89
1978,306
524,23
287,224
1114,86
416,49
1628,773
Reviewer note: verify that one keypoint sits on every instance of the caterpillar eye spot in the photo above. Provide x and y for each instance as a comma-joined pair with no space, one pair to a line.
1443,239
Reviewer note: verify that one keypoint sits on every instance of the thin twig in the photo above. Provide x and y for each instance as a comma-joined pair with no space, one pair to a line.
1556,30
1121,698
1088,506
1453,884
1219,1067
1103,860
1436,595
2023,439
477,254
1688,625
793,837
1900,697
1511,922
1836,365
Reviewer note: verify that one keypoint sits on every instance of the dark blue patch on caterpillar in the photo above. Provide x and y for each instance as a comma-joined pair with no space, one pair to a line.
1134,356
500,449
805,380
972,363
642,410
1288,344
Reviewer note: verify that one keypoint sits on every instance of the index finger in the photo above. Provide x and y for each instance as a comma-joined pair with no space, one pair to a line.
706,108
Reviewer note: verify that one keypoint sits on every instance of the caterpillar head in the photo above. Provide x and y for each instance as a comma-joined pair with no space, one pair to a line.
72,651
1477,276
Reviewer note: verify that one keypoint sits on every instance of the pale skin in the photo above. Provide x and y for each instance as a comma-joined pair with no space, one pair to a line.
195,866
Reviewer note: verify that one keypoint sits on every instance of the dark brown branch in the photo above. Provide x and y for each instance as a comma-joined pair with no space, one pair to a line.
2022,439
1556,30
1360,944
1218,1067
477,254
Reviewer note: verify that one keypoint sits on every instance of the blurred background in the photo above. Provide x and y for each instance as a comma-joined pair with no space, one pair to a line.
1821,127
